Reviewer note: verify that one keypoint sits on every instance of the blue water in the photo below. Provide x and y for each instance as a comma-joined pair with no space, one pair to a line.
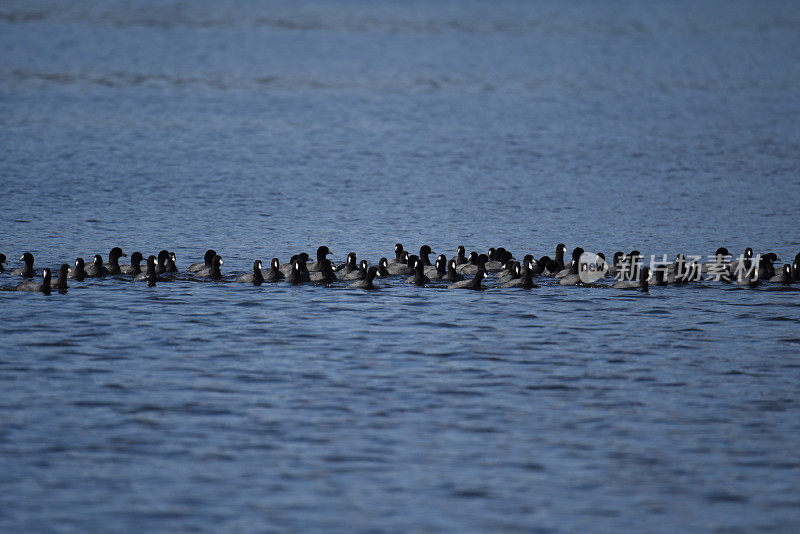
264,129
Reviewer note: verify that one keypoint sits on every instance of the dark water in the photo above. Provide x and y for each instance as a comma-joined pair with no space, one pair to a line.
263,129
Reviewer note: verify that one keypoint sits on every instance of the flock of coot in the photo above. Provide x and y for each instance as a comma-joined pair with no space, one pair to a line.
462,271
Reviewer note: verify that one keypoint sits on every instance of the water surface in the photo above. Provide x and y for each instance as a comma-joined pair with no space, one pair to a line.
264,129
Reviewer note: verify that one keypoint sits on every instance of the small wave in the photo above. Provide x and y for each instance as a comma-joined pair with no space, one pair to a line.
725,497
22,16
223,82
